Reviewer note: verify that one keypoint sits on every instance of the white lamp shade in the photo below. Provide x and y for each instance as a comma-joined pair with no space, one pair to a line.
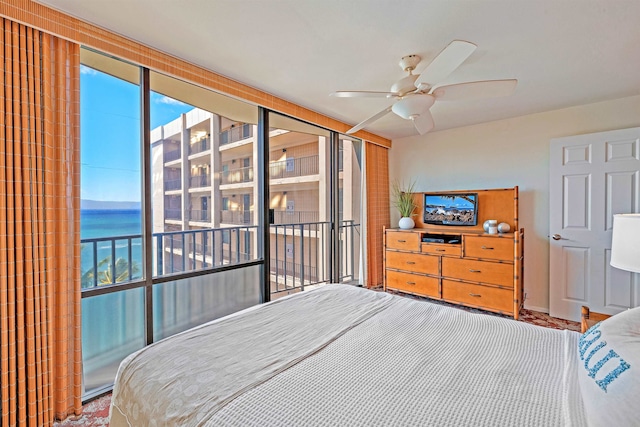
625,244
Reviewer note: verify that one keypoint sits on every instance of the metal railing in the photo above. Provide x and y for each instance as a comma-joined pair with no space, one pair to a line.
349,241
102,251
180,251
173,214
294,217
236,133
236,217
203,180
299,253
200,215
172,184
171,155
235,176
293,167
198,147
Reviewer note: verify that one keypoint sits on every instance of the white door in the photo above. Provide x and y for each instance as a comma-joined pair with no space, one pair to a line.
592,177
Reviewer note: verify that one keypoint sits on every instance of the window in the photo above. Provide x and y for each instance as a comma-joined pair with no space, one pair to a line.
197,253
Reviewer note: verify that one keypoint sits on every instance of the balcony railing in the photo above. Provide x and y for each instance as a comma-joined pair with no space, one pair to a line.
171,155
172,184
294,167
198,147
173,214
200,215
294,217
236,133
236,217
299,253
236,176
200,181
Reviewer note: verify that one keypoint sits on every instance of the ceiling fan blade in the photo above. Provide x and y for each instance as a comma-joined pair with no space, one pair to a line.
475,90
371,119
423,122
362,94
445,62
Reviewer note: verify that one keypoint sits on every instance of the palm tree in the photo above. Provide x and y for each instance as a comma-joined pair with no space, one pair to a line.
105,276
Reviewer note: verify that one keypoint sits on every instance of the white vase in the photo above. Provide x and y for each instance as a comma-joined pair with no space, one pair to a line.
406,223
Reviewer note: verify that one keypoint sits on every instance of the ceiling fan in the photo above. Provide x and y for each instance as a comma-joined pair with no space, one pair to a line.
416,93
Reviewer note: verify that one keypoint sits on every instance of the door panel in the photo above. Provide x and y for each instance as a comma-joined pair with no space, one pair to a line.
592,177
577,200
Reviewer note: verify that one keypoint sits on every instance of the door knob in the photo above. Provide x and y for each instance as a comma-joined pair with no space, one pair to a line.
556,237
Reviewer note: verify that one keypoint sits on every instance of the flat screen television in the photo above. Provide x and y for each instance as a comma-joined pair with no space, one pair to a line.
451,209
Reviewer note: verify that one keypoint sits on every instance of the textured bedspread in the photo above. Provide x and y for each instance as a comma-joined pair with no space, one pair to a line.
342,356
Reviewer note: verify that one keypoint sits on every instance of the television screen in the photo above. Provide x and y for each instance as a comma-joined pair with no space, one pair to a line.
451,209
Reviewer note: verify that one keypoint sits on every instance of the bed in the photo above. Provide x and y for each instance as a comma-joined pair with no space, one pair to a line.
346,356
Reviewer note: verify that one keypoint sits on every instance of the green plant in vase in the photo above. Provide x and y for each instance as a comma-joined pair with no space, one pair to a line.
403,201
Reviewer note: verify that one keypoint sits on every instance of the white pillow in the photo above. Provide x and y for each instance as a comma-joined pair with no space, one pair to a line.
609,370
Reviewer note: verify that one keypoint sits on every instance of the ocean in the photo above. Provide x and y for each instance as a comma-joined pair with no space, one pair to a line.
97,223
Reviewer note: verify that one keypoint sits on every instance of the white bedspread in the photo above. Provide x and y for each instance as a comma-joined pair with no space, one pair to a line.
341,355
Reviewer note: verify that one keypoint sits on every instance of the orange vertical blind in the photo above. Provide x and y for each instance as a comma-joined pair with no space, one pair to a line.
378,210
40,347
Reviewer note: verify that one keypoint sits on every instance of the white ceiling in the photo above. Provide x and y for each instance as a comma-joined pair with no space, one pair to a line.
563,52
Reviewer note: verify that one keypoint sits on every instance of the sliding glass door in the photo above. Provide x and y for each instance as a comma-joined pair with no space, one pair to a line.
197,205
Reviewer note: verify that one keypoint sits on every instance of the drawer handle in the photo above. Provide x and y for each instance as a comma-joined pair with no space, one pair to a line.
474,271
475,295
441,250
402,241
487,248
410,262
411,283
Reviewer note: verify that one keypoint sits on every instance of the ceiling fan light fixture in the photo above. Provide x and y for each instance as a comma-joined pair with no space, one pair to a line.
413,106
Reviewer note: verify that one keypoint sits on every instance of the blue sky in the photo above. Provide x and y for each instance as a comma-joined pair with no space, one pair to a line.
110,135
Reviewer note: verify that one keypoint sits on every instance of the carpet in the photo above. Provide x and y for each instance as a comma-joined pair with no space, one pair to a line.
96,412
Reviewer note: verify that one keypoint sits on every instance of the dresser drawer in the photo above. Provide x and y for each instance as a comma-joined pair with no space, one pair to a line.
413,262
405,240
478,271
500,248
430,248
478,295
419,285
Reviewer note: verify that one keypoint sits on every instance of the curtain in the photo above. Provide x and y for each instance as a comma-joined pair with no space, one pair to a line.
40,337
378,215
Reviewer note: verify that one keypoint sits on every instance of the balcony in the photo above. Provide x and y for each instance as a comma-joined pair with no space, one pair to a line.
294,167
236,133
302,263
236,176
197,181
236,217
172,184
200,215
198,147
294,217
171,155
175,214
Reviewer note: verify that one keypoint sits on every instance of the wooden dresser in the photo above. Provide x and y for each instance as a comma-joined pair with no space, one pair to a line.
470,267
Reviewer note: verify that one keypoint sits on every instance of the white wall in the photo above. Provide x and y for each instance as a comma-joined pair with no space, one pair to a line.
503,154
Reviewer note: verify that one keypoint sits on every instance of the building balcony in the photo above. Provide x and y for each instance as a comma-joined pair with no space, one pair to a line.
175,214
200,215
294,167
236,217
172,184
198,147
236,133
294,217
172,155
200,181
236,176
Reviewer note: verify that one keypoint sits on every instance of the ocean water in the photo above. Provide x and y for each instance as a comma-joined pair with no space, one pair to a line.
110,223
